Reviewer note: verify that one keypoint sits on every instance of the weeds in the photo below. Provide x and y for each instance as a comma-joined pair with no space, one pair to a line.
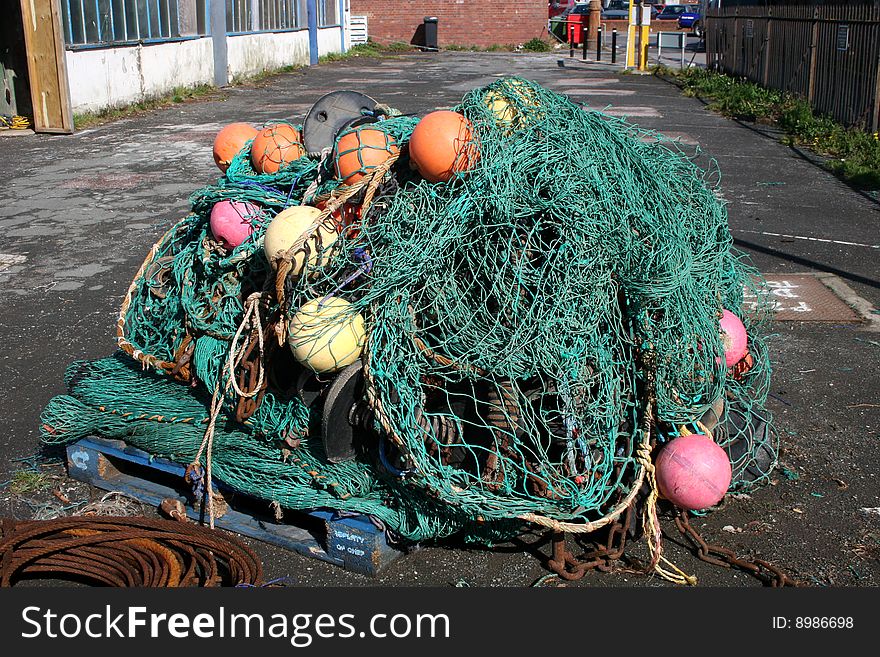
495,47
28,481
369,49
398,46
176,95
853,154
536,45
264,75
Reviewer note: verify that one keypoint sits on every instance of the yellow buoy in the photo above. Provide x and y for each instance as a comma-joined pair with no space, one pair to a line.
510,105
326,335
499,106
288,226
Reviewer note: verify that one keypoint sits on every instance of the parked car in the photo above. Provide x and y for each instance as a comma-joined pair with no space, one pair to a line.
618,10
656,8
671,12
692,18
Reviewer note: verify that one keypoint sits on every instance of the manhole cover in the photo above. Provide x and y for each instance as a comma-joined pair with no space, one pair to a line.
801,298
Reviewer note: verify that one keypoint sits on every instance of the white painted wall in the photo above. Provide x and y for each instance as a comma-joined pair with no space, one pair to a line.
251,53
111,77
329,40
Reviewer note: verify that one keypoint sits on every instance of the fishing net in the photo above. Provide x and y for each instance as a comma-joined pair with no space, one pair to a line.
532,329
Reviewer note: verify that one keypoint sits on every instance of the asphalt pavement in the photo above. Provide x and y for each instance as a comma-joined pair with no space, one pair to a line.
78,213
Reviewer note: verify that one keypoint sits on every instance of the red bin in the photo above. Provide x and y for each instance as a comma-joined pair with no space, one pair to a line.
577,27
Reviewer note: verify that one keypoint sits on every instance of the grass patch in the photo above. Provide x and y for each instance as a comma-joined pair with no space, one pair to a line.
495,47
368,49
265,75
399,46
27,481
853,154
175,96
536,45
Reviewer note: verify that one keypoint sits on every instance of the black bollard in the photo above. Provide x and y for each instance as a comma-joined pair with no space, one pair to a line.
570,40
614,45
583,45
599,45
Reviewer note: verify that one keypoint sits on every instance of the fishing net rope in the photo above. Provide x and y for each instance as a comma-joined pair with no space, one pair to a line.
534,328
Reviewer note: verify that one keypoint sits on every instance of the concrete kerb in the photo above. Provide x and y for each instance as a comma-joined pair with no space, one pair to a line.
853,300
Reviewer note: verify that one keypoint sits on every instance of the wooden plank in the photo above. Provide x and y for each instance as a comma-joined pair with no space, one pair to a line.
353,543
814,54
875,119
47,67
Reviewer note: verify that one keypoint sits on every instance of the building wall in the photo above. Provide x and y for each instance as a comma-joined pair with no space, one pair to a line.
461,22
111,77
251,53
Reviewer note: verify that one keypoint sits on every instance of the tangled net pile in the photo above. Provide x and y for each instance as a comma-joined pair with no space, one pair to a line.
535,327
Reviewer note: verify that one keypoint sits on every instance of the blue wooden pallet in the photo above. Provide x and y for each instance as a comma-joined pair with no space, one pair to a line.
354,543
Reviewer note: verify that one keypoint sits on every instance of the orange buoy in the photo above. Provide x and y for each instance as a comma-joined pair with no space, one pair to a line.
230,141
362,149
442,145
276,145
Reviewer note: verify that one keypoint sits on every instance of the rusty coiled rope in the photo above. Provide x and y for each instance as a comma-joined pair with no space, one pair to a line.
124,552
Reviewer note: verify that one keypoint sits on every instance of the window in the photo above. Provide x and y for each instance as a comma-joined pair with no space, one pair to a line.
328,12
120,21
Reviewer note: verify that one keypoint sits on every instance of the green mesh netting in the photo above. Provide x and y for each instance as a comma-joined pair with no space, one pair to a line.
528,324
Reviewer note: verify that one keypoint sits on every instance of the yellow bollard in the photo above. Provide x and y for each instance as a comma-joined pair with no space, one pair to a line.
643,47
631,38
644,36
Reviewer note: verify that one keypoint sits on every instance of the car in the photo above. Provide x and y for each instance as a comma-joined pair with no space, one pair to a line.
671,12
689,16
618,10
692,18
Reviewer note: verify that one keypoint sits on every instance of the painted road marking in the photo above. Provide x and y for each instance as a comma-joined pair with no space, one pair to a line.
647,112
799,297
678,137
805,237
598,92
8,260
584,83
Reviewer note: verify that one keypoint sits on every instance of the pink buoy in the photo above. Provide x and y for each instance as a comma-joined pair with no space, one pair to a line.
232,222
693,472
733,337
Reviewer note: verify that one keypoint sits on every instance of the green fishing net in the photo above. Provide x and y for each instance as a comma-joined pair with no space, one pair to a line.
528,325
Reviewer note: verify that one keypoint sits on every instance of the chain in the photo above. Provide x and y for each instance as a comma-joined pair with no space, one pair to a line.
727,558
569,567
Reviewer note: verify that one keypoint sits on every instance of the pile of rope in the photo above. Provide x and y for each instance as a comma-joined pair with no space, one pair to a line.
536,326
124,552
13,122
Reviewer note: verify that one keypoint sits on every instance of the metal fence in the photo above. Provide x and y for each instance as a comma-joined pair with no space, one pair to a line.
827,52
90,23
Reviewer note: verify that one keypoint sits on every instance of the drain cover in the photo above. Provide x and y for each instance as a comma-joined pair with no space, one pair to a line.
801,298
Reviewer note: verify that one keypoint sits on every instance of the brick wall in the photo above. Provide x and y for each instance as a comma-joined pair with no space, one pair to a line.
461,22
